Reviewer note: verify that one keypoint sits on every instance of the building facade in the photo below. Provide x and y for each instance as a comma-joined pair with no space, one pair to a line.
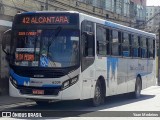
152,13
133,9
126,12
153,20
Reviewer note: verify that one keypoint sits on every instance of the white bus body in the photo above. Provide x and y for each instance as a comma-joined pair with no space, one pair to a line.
118,74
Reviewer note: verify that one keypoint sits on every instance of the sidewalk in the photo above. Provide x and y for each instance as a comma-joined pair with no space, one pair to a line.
7,100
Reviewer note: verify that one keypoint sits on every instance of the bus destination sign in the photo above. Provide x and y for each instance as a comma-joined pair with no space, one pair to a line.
45,20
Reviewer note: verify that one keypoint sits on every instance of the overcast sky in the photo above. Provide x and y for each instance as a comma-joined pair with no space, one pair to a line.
153,2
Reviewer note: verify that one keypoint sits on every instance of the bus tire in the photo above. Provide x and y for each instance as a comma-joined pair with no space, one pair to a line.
98,98
42,102
138,88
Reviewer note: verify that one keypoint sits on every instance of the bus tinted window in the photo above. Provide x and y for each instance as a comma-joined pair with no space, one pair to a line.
126,45
115,43
150,48
88,26
135,41
135,45
143,42
154,47
101,41
108,41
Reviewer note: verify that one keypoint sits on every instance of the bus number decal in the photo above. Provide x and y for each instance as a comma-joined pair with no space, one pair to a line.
26,20
56,82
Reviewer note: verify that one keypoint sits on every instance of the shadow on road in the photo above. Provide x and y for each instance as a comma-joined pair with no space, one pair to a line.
120,100
79,108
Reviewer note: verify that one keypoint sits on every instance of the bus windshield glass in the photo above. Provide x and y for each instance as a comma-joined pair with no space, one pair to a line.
46,48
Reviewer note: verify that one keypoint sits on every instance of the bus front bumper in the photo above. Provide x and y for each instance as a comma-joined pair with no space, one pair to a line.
71,93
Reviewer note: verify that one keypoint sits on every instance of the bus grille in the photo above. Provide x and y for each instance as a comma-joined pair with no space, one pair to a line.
47,91
45,74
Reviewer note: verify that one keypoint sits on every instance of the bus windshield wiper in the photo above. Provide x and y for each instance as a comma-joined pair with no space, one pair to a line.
58,30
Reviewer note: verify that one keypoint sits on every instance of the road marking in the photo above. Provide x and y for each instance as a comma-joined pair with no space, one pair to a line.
16,105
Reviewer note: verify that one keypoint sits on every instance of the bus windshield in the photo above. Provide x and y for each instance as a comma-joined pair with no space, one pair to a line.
46,48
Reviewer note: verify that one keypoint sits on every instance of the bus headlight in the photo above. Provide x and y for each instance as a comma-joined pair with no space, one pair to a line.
66,84
74,80
14,82
69,82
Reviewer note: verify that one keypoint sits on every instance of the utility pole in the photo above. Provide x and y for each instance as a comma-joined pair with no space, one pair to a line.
46,5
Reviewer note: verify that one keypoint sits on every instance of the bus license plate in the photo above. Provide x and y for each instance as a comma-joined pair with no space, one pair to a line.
38,92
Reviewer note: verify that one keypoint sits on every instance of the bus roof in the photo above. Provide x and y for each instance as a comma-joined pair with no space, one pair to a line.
100,21
118,26
33,12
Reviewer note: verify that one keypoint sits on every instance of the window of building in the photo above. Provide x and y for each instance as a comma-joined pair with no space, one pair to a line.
126,7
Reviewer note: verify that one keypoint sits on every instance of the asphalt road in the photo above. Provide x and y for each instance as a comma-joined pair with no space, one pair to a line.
117,106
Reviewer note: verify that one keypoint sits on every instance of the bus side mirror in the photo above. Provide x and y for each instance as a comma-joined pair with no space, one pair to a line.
6,40
88,44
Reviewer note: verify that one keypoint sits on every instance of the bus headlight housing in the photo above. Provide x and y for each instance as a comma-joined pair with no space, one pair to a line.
69,82
14,82
66,84
74,80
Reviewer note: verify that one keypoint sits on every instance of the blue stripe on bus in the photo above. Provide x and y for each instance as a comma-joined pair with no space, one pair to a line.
109,24
20,80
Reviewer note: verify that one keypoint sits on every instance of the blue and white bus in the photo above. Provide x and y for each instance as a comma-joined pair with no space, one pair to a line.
71,55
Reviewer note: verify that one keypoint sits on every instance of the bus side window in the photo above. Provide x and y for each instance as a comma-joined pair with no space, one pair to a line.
120,43
125,45
143,44
108,36
101,41
135,46
88,40
139,47
151,48
87,44
154,47
115,43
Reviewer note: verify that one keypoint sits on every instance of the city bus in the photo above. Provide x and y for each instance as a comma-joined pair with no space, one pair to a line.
56,55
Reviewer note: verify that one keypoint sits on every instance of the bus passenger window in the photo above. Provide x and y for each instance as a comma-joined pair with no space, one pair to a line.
115,43
150,48
154,47
126,45
135,45
89,45
88,38
143,43
101,41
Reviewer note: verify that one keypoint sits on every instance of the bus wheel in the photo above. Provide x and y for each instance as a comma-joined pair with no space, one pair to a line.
42,102
98,95
138,88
